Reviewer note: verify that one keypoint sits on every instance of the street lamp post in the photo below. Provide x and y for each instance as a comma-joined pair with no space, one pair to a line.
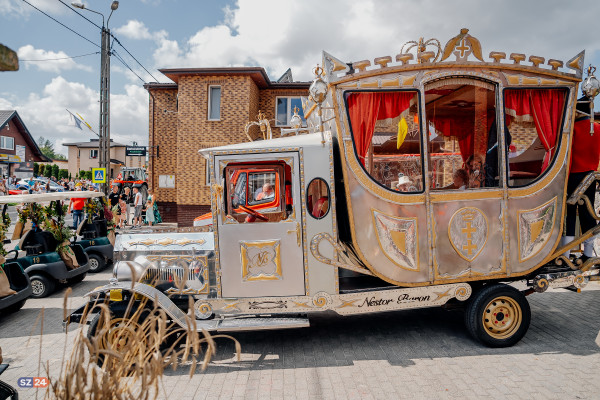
104,124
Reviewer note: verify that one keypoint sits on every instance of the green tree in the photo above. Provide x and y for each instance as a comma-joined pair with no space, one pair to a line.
47,149
55,170
63,174
48,171
41,169
36,169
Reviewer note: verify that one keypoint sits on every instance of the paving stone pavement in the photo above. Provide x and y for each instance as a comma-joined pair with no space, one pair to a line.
414,354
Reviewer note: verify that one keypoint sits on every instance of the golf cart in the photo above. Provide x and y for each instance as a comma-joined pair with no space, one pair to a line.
49,257
97,241
15,286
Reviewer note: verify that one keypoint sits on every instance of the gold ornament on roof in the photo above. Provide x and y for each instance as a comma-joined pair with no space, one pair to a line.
462,46
421,49
263,123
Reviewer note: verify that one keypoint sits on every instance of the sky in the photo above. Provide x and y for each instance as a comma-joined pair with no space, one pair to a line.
273,34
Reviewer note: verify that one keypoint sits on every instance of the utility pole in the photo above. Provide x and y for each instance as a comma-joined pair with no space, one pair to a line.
104,125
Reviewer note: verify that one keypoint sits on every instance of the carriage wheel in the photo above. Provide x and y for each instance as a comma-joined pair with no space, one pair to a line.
498,315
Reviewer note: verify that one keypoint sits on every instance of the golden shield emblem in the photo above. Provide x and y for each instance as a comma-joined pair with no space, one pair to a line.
468,232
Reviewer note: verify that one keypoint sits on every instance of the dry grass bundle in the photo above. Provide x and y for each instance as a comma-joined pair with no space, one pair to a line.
126,350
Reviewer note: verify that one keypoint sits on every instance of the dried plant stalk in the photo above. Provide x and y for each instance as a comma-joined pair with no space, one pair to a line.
125,353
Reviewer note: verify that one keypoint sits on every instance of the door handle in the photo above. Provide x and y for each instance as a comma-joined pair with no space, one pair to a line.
297,230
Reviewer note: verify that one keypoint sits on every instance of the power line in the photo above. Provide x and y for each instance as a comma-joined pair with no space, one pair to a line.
61,58
118,56
54,19
81,15
139,63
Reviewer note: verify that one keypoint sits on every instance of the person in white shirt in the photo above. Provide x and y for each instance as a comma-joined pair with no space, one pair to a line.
137,206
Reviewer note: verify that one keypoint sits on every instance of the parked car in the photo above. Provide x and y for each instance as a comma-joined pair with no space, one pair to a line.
54,187
17,189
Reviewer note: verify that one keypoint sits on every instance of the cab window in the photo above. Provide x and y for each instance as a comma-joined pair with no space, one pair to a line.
386,137
255,193
262,187
534,119
462,136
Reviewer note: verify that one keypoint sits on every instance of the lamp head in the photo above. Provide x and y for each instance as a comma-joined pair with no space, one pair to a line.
114,5
78,5
590,86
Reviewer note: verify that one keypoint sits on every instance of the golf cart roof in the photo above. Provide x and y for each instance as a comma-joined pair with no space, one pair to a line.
44,197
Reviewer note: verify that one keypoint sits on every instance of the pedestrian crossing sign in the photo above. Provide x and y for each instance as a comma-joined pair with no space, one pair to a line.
99,175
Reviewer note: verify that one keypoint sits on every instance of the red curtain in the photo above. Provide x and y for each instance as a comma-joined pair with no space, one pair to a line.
545,106
461,128
366,108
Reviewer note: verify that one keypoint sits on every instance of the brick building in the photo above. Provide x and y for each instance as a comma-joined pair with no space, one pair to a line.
207,107
18,149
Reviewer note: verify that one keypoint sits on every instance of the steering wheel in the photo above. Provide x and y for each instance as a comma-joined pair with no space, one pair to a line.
254,213
16,254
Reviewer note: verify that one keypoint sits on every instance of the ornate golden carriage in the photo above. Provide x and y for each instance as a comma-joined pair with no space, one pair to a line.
430,178
482,149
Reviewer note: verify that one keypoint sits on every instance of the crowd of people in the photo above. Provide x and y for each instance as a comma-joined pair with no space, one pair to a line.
131,209
128,205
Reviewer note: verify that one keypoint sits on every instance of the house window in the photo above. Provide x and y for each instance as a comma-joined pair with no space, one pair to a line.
285,110
214,103
7,143
94,153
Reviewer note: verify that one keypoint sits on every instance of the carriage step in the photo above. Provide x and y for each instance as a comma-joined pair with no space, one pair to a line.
252,323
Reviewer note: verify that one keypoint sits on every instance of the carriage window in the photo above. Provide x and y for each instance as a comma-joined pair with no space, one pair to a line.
385,130
462,136
317,198
533,120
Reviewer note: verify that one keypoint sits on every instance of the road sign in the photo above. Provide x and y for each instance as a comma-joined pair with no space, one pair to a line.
135,151
99,175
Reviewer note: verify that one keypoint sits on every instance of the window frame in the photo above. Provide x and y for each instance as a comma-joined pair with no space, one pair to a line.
3,143
289,112
557,147
276,166
210,88
499,132
345,95
97,153
328,197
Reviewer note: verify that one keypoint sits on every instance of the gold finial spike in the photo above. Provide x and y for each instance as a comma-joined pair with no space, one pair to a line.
497,56
383,61
404,58
361,66
517,57
425,56
536,60
555,64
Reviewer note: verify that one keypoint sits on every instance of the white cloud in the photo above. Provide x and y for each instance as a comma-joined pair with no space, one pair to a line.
45,114
293,34
134,30
54,61
8,7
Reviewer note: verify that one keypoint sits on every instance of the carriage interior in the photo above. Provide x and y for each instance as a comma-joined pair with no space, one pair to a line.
462,135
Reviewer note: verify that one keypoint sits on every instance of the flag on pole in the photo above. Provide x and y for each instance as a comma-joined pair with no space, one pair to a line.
76,120
73,120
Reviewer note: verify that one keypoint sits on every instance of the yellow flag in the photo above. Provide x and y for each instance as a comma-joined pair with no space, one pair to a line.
402,131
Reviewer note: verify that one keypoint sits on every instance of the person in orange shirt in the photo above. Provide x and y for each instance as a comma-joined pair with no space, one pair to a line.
585,156
76,207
